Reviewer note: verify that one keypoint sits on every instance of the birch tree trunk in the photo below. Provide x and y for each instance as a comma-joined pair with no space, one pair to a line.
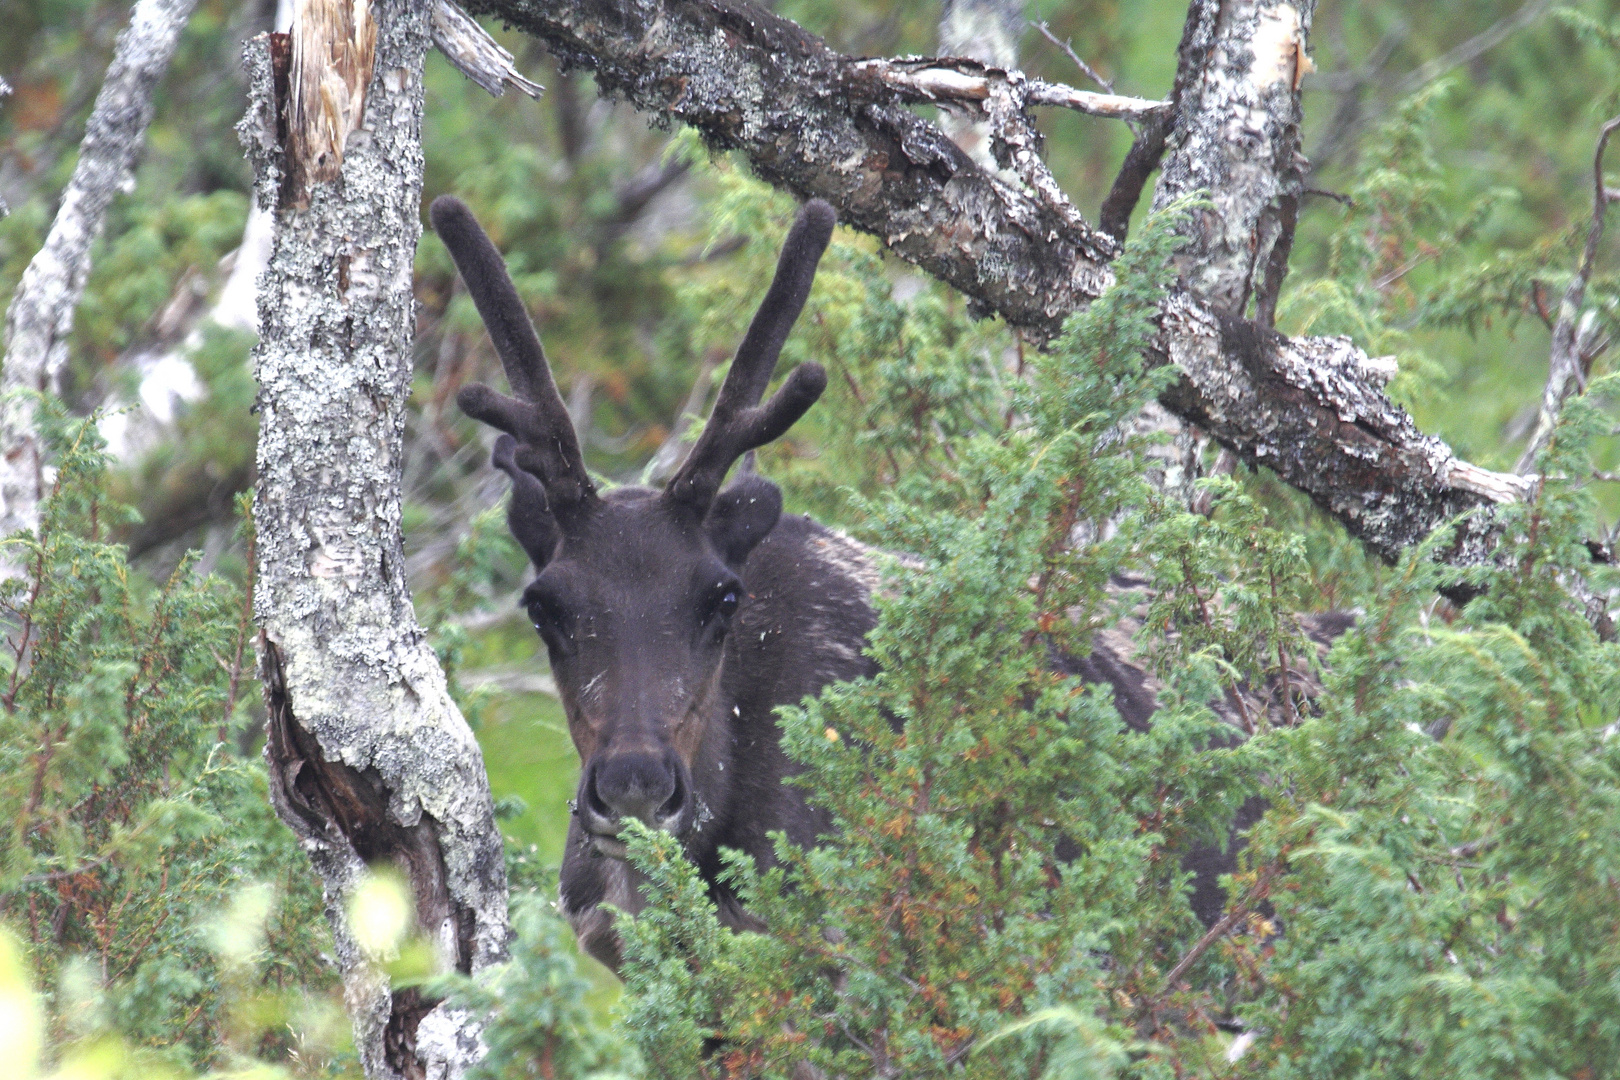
40,318
370,760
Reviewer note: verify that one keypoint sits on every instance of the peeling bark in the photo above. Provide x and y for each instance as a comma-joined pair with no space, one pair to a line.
819,124
475,54
370,759
40,318
334,44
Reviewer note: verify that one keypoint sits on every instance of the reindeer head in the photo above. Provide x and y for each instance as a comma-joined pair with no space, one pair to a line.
637,588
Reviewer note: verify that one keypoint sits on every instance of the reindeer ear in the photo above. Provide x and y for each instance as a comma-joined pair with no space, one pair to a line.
741,516
528,515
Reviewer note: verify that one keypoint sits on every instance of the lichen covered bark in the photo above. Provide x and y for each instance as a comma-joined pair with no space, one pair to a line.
371,761
1235,141
822,125
1310,409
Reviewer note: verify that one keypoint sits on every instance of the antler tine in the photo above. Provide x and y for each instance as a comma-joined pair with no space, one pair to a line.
739,423
536,417
528,514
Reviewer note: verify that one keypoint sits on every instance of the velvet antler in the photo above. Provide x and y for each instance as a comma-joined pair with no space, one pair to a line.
536,418
739,423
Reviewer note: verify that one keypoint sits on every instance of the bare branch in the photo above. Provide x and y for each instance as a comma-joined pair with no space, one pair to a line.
1143,157
1472,49
968,83
1349,84
1257,893
40,318
819,124
1068,50
475,54
673,450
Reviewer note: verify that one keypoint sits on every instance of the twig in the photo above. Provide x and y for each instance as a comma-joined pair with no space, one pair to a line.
244,631
1214,934
57,875
1143,157
1337,196
1473,48
1068,49
1540,305
673,450
1349,114
970,84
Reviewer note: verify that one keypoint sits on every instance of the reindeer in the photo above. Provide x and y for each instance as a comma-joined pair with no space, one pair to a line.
677,621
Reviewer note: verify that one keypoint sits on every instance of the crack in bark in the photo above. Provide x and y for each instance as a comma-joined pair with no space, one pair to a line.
344,813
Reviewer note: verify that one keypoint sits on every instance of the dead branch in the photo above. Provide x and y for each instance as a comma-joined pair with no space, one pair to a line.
968,84
1068,50
475,54
819,124
1472,49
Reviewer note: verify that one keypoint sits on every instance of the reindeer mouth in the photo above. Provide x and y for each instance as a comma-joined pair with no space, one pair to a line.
602,826
608,846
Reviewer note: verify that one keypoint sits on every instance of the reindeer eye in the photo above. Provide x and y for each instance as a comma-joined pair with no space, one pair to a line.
552,624
722,605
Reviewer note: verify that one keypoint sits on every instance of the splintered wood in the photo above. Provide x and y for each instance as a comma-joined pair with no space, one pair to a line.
334,45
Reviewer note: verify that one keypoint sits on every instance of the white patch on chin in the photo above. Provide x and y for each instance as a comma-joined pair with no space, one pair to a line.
609,846
618,889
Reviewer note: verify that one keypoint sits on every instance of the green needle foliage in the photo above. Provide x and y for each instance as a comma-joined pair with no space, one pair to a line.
1450,823
1432,889
1430,893
135,828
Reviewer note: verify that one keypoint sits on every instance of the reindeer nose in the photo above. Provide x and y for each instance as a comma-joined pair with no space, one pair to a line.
638,785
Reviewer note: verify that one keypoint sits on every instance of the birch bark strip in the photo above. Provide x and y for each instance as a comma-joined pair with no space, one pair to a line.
370,760
40,318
